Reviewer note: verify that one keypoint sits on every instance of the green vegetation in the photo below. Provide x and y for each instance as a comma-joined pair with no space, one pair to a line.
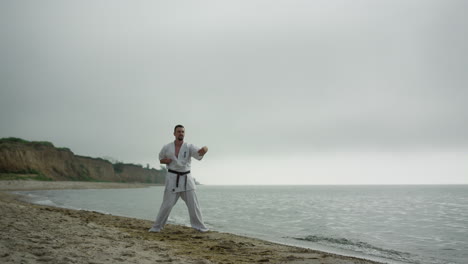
13,140
23,176
26,142
24,171
64,149
91,158
83,174
26,174
42,177
41,144
118,167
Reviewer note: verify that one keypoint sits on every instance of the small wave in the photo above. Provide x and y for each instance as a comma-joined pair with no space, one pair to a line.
46,202
360,246
33,197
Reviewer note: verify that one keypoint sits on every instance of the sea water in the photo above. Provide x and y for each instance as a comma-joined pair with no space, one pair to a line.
392,224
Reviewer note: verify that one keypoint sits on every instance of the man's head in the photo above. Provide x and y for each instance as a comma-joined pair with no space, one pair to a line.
179,132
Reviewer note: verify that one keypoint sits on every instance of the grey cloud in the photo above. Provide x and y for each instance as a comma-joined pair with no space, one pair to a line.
242,76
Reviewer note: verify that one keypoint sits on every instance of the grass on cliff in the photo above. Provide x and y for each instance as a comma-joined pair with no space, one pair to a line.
22,141
20,176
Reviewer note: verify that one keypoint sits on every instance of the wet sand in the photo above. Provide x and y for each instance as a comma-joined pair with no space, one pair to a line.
42,234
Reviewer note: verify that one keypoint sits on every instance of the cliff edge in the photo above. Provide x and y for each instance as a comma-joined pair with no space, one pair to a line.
41,160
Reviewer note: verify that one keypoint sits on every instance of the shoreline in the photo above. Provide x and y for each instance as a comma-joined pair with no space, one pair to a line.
33,233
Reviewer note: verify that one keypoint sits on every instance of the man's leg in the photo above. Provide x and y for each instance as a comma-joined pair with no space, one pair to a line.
196,219
169,200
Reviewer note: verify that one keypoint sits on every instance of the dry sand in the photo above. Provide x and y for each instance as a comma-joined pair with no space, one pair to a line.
42,234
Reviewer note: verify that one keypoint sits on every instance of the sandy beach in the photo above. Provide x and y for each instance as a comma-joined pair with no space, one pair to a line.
42,234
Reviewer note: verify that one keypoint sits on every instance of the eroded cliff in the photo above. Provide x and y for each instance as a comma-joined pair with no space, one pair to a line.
42,159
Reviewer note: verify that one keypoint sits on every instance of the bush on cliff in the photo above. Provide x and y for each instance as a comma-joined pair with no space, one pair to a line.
26,142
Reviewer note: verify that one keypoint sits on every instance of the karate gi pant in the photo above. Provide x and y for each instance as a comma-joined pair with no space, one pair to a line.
190,199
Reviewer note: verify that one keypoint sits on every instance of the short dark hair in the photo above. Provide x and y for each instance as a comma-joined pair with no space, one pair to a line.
175,128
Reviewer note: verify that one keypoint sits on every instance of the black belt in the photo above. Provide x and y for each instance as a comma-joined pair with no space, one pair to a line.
178,176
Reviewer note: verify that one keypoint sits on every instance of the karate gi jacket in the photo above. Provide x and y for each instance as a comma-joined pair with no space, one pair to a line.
181,163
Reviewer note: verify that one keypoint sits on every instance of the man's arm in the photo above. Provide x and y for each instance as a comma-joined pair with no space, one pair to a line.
165,161
203,151
162,156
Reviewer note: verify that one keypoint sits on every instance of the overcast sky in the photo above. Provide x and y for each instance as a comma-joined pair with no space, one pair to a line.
282,92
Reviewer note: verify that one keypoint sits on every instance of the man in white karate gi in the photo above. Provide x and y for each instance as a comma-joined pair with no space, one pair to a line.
177,156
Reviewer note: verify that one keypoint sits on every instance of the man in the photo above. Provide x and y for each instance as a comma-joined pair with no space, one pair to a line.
177,156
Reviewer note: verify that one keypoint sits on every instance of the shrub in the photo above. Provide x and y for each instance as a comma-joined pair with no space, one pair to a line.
118,167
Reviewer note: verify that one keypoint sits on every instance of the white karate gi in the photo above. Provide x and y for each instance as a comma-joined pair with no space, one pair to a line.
185,190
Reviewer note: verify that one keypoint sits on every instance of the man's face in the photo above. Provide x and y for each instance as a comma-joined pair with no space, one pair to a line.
179,133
